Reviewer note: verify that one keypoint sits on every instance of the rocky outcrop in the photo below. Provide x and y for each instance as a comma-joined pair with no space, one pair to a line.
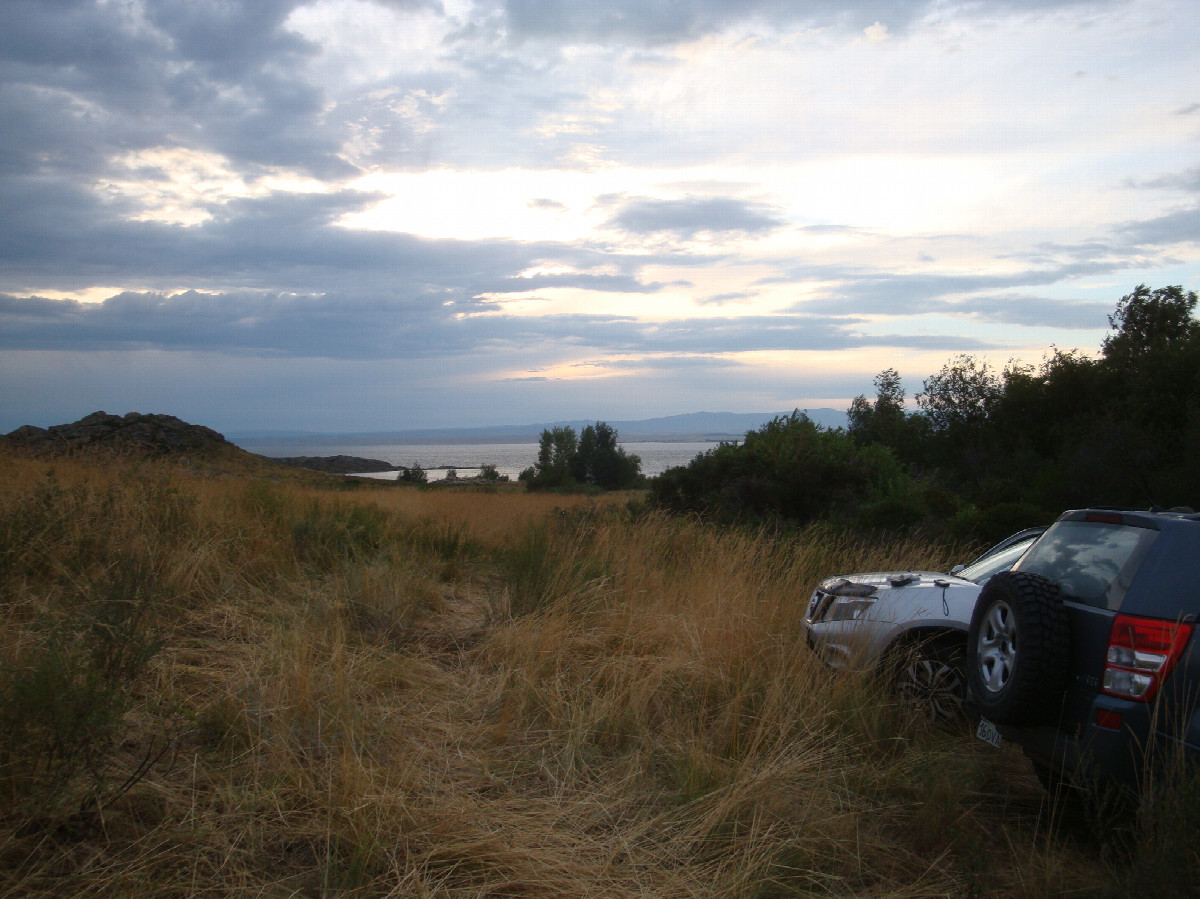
144,434
337,464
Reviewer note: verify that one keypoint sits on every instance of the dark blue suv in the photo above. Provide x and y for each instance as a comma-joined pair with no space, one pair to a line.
1084,653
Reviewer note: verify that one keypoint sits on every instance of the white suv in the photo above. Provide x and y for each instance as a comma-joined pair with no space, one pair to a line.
912,625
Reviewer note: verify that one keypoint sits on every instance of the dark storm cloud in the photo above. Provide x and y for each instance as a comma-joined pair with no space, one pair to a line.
690,216
229,40
337,326
206,74
66,238
380,326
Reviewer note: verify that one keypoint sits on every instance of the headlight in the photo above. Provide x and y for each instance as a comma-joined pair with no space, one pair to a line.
840,600
849,608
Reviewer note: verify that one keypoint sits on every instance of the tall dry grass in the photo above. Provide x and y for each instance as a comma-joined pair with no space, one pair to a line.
402,692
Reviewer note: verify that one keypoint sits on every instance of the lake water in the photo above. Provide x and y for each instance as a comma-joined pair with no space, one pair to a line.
467,458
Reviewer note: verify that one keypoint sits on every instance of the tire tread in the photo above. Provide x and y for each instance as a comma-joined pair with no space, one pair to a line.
1034,694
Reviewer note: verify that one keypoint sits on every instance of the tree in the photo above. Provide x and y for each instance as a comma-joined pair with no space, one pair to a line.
790,469
557,448
604,462
1150,320
960,396
414,475
592,458
884,420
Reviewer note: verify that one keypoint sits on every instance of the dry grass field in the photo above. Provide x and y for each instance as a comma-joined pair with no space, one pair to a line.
257,684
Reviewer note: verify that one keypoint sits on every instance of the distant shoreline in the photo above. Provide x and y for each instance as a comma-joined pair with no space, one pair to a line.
695,427
248,443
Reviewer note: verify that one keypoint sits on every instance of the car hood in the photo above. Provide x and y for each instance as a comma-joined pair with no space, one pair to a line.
898,598
896,580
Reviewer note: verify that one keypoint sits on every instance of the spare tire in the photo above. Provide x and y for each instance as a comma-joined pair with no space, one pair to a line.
1019,649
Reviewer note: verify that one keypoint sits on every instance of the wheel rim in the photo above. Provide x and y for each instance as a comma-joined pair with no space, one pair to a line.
933,687
997,647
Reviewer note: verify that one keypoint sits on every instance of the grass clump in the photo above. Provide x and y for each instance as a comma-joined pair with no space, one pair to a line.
69,677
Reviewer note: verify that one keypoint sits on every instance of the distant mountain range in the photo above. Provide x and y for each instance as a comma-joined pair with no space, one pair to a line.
695,426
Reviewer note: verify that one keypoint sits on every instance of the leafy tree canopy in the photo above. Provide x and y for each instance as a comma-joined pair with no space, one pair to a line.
985,452
1150,320
593,458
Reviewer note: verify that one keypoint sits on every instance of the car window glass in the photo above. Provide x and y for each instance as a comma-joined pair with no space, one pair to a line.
980,571
1090,561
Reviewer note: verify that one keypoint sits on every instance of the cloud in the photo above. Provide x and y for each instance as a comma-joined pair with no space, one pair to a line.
1173,228
1188,180
720,299
690,216
1028,311
658,22
65,238
375,326
224,76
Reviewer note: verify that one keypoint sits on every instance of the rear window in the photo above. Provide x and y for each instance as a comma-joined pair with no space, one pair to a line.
1090,561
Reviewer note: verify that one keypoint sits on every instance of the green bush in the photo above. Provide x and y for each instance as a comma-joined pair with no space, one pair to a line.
331,534
992,524
67,689
790,469
532,566
551,561
415,474
593,461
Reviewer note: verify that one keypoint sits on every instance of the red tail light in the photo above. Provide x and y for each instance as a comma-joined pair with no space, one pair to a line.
1141,653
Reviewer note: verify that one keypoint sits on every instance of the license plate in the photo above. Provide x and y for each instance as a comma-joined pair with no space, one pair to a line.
987,732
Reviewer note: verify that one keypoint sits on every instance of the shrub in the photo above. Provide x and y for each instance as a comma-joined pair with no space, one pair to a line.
413,475
67,689
592,460
790,469
329,535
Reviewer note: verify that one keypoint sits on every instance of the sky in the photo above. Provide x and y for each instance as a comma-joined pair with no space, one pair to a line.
353,215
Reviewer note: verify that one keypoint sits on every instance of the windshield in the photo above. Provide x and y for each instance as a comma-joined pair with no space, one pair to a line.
981,571
1089,560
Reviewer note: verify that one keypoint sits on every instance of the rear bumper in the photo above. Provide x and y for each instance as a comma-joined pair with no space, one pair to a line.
1088,751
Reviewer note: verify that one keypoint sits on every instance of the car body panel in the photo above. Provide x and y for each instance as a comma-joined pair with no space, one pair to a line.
1160,579
930,601
917,604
